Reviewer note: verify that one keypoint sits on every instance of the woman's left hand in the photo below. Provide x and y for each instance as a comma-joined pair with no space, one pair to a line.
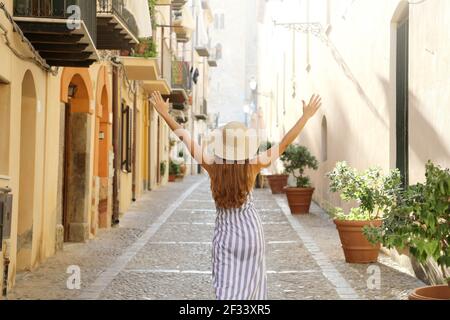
160,105
310,109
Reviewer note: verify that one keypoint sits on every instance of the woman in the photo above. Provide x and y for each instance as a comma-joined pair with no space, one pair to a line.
238,245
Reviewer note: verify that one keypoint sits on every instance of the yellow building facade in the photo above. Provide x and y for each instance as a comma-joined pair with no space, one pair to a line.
77,145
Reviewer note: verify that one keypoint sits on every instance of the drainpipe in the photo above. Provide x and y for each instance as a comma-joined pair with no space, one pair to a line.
193,88
134,175
116,147
149,146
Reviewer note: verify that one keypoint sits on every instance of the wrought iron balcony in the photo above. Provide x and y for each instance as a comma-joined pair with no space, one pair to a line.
62,31
116,26
180,75
180,85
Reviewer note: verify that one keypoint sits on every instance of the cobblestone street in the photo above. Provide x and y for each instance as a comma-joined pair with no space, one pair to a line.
162,250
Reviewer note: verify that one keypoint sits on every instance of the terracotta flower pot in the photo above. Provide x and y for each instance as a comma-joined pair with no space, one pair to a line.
357,249
299,199
172,178
277,183
431,293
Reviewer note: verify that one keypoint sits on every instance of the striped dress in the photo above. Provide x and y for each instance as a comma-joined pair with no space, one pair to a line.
238,254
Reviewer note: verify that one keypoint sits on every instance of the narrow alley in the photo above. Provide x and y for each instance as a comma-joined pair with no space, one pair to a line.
162,251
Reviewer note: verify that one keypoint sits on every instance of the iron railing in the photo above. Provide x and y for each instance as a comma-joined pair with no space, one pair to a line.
180,75
59,9
117,8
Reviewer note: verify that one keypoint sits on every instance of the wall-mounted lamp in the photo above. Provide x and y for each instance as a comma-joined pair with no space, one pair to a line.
72,90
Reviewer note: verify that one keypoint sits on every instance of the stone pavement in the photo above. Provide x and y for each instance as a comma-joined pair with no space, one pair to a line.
162,250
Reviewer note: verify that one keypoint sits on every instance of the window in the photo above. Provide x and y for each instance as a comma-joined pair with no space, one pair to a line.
216,21
218,51
222,21
126,138
324,152
219,21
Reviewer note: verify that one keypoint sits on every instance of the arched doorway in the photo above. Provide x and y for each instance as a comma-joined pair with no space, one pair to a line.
77,96
26,173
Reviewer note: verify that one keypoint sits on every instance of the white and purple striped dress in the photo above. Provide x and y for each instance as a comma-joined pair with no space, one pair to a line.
239,267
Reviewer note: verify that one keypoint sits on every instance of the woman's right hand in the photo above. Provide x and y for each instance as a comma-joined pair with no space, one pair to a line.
160,105
314,104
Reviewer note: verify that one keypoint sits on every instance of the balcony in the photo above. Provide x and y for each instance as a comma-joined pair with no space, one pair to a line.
212,62
202,51
183,23
178,4
141,69
180,85
116,26
55,31
203,112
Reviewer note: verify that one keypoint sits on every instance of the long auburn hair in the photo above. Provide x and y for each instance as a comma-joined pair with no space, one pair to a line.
231,184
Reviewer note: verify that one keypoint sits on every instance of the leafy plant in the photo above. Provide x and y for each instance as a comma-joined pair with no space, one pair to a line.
265,146
150,49
152,7
420,221
374,192
296,160
174,168
162,167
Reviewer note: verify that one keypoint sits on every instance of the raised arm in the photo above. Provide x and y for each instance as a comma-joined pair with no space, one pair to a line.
309,110
195,150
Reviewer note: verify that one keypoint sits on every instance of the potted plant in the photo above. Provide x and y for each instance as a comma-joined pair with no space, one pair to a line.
146,48
277,182
296,160
259,183
420,223
374,195
174,170
183,166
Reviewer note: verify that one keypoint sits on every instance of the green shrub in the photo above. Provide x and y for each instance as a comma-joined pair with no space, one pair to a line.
420,220
296,160
374,192
174,168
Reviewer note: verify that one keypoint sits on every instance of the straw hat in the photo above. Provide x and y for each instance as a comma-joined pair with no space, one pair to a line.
235,142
